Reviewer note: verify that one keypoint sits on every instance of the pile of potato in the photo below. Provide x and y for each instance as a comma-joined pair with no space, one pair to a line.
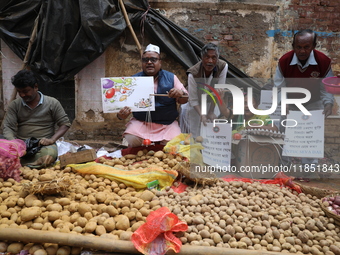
144,159
226,214
93,206
253,216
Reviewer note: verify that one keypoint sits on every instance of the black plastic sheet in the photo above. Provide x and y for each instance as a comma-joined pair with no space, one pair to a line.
72,34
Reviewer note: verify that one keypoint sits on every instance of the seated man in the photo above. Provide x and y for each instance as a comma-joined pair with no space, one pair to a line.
35,115
163,126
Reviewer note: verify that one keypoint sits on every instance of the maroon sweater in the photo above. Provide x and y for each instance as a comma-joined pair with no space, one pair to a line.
313,72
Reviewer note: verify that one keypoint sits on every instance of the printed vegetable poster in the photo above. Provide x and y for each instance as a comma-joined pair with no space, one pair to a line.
133,92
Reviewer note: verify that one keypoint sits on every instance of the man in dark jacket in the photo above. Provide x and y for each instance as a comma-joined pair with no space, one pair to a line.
160,125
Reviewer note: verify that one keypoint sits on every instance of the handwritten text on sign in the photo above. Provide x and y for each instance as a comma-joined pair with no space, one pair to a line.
217,144
306,139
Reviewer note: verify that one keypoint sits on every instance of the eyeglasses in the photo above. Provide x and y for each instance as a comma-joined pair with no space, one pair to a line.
153,60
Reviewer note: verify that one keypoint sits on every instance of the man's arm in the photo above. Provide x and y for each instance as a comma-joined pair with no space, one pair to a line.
61,119
279,80
59,133
178,91
10,124
192,87
327,98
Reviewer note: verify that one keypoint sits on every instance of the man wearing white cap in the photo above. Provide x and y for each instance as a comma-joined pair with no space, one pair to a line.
164,125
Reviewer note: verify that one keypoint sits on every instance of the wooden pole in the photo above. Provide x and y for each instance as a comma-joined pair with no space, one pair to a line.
110,245
130,27
28,51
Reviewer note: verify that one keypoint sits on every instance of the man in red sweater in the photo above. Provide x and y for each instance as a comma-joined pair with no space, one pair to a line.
311,65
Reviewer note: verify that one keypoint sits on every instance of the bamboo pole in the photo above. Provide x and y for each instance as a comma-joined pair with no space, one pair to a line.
130,27
110,245
28,51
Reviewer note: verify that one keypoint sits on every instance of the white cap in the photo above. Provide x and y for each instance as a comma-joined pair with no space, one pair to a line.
153,48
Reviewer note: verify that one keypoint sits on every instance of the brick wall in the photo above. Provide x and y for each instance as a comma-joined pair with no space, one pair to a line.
332,138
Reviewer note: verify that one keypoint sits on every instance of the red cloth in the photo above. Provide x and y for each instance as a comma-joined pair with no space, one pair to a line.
280,178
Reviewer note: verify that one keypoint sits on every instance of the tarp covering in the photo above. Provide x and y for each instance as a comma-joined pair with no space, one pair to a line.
71,34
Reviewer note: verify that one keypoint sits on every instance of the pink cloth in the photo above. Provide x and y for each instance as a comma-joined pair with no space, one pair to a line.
154,131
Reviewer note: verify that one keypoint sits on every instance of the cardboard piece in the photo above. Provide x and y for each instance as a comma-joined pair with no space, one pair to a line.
258,157
77,157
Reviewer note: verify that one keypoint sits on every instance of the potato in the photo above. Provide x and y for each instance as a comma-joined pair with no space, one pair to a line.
260,230
15,248
51,249
35,247
81,221
54,207
30,213
136,225
64,250
122,222
83,208
125,235
3,247
76,250
130,156
90,226
46,177
100,230
29,199
40,252
335,249
147,195
54,215
111,210
159,154
138,204
109,224
64,201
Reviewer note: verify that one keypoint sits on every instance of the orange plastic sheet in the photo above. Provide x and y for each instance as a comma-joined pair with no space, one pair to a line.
280,178
155,237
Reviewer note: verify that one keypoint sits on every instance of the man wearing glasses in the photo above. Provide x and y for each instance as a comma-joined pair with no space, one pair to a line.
163,125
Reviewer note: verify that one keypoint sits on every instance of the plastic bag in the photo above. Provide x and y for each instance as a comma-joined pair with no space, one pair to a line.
64,147
10,153
184,145
32,146
155,237
138,178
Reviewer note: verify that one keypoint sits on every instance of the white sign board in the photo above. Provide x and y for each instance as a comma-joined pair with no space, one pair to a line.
217,144
306,139
133,92
266,103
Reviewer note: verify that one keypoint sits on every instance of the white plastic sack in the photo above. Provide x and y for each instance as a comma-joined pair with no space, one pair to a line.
64,147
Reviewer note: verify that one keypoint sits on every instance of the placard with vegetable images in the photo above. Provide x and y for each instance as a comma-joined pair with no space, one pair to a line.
133,92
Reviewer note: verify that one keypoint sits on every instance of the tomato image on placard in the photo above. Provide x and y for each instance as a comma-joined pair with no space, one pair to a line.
110,93
237,136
